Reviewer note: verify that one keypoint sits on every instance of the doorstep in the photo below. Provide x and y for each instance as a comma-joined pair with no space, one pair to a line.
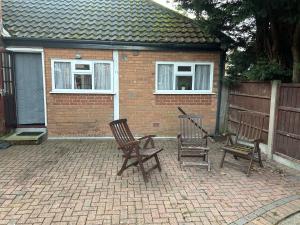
20,137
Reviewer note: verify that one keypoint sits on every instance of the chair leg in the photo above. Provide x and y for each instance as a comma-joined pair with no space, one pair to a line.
208,163
223,158
143,169
259,159
179,155
123,167
250,165
157,162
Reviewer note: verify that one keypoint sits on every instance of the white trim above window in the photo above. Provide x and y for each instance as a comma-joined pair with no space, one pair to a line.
184,77
82,76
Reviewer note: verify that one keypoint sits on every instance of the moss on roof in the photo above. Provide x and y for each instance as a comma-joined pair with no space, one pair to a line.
101,20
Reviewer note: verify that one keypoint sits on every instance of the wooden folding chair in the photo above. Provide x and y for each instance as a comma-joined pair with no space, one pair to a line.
131,148
192,141
247,139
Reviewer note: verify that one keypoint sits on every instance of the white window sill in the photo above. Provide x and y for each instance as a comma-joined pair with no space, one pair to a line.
183,93
81,92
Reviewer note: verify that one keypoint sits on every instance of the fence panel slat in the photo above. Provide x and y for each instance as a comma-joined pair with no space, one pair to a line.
287,136
253,96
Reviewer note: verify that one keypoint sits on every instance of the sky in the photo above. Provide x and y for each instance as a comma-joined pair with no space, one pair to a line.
167,3
171,5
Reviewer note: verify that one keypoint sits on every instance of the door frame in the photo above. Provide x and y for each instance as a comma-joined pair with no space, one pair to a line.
40,51
9,105
116,85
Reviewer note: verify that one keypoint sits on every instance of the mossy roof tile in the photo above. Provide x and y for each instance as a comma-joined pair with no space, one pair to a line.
101,20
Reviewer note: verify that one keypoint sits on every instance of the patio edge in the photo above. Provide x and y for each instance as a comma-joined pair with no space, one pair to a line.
101,138
265,209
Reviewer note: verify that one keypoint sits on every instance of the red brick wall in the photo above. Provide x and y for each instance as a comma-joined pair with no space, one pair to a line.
82,99
77,114
88,115
158,114
183,99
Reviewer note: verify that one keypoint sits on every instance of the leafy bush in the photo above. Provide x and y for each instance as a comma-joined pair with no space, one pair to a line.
239,61
268,70
243,66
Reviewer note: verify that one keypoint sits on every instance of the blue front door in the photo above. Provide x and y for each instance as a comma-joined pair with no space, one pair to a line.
29,88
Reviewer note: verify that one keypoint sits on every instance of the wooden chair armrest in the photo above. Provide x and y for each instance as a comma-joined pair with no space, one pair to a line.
229,139
129,144
209,137
146,137
229,134
206,136
259,140
149,140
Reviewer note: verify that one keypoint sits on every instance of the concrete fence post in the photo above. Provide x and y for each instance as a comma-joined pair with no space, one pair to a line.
272,119
223,115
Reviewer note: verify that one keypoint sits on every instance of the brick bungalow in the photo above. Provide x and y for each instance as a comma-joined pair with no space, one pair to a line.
79,64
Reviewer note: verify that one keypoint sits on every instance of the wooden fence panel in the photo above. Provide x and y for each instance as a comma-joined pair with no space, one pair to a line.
287,134
253,96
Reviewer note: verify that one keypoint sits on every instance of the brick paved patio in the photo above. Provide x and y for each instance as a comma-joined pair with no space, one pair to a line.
76,183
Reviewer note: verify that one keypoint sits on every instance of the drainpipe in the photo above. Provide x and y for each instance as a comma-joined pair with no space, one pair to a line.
220,85
1,28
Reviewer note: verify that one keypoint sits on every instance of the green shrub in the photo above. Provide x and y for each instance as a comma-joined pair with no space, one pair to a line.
264,70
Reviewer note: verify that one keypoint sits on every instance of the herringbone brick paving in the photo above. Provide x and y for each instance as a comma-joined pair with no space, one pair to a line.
61,182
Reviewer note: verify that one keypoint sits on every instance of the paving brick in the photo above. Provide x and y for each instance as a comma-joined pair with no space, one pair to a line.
64,182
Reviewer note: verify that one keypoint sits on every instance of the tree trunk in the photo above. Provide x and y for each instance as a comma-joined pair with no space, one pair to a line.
275,36
262,36
296,54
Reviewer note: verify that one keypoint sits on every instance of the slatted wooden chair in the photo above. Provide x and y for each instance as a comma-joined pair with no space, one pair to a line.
132,149
247,139
192,141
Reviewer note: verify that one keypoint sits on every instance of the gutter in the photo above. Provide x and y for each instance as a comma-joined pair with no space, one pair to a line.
220,88
111,45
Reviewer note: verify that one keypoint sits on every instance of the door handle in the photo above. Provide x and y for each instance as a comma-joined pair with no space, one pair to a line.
3,92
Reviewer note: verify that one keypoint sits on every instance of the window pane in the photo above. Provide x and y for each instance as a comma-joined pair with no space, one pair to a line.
202,77
102,76
165,77
82,66
184,68
184,82
83,81
62,75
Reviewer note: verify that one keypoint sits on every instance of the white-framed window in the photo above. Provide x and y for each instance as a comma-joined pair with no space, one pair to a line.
184,77
82,76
